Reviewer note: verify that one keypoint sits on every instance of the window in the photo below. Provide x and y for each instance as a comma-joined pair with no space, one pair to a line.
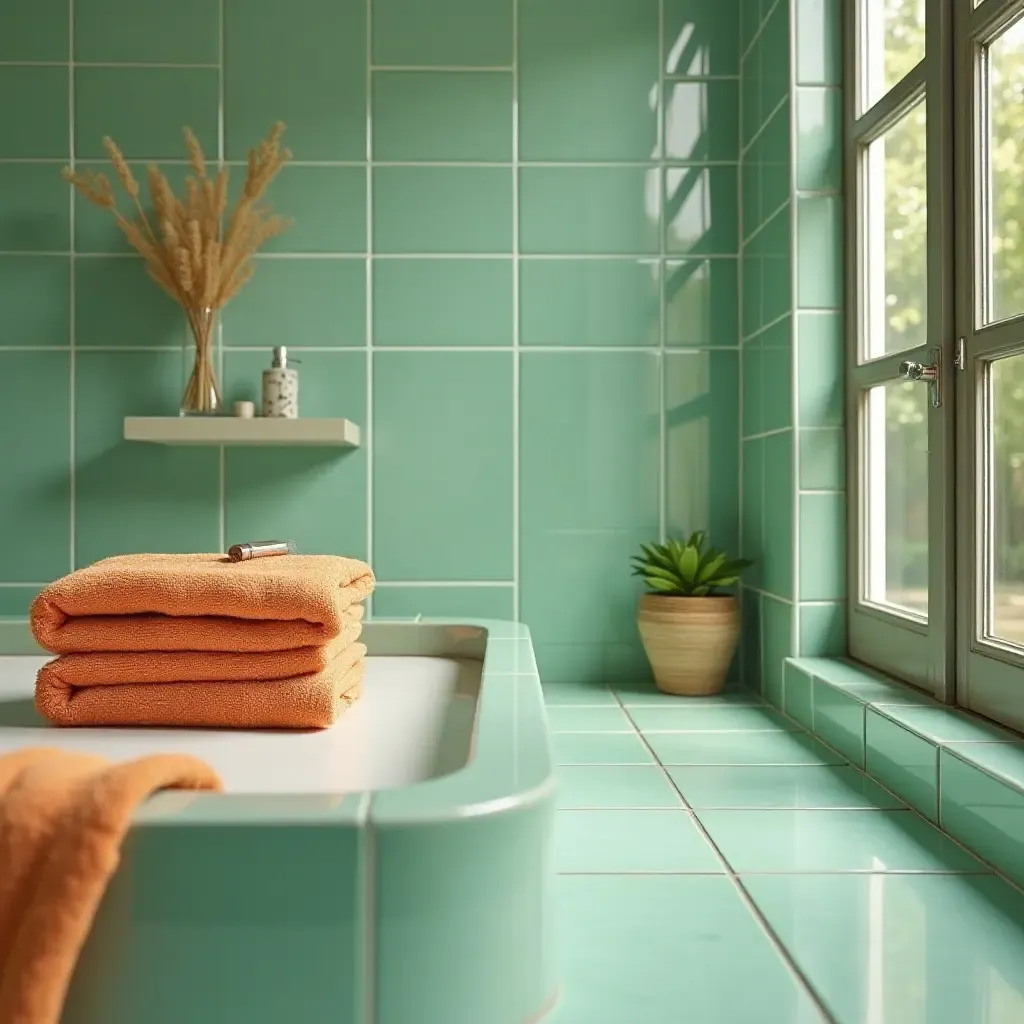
935,143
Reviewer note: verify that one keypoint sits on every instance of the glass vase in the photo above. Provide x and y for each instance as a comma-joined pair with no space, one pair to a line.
202,393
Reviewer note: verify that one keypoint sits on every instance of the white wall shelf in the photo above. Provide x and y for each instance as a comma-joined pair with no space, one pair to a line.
233,430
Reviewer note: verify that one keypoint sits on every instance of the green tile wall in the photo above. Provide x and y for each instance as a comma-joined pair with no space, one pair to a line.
515,263
793,469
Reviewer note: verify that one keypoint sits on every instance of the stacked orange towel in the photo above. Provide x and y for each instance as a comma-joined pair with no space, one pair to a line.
197,640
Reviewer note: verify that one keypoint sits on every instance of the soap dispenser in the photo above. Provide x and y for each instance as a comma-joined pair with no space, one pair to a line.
281,387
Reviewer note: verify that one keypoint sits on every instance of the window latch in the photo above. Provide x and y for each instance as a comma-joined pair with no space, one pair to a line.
929,373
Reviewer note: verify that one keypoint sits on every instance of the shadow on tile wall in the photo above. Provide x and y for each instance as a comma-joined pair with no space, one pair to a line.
514,263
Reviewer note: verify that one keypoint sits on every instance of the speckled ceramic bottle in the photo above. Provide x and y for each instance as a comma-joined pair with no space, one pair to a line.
281,387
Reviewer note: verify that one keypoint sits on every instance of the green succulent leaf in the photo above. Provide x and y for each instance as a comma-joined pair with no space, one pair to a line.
708,569
701,591
684,568
657,583
726,581
688,563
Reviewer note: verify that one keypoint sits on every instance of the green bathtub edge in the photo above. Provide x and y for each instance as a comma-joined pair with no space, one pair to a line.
429,902
961,771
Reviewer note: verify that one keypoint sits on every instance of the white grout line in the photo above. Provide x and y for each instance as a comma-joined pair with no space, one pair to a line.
670,353
368,427
446,583
444,67
72,405
794,362
99,64
221,452
661,150
516,326
368,892
584,257
741,890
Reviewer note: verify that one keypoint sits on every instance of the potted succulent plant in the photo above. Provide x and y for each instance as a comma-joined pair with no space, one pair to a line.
688,627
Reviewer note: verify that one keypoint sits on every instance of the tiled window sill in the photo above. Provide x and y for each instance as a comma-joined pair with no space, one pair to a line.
964,773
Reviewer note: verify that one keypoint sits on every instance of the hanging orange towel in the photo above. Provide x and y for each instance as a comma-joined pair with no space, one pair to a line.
116,668
199,603
63,817
301,702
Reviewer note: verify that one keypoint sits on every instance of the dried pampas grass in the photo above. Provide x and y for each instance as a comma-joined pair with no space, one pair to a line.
187,249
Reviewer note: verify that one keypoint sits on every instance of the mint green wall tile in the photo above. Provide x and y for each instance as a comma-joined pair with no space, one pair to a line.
16,600
120,31
776,266
797,695
442,302
839,721
34,113
592,664
775,57
34,300
701,210
604,210
327,207
35,500
448,601
820,357
778,514
701,39
750,190
316,302
819,241
822,459
819,139
117,303
442,209
750,93
590,302
35,31
750,300
442,472
753,392
819,59
750,639
35,210
775,151
585,76
749,17
984,812
776,379
144,110
313,496
903,762
822,546
752,513
410,32
442,115
702,445
777,646
137,497
303,63
701,303
94,228
701,119
584,513
823,629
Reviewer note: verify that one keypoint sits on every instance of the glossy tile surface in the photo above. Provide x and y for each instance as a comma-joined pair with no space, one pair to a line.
839,720
710,718
905,762
769,748
589,719
599,748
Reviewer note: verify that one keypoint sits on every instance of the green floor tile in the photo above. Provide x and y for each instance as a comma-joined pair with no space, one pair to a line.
638,694
583,719
799,841
796,786
897,949
600,748
616,786
711,718
617,842
582,694
742,748
656,950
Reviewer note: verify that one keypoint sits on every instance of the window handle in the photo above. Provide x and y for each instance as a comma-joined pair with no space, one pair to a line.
927,372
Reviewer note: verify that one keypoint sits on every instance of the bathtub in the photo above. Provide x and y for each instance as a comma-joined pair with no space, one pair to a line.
392,870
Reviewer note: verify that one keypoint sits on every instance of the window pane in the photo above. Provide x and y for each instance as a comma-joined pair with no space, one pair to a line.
896,493
1005,528
896,237
1005,262
893,43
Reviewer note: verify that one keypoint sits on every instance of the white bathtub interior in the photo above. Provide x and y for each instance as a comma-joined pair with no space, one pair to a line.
413,722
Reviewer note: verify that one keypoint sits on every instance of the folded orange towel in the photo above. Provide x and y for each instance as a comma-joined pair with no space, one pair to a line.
63,817
122,668
302,702
199,603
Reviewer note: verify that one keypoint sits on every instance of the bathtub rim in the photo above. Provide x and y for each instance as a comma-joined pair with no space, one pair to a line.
510,767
